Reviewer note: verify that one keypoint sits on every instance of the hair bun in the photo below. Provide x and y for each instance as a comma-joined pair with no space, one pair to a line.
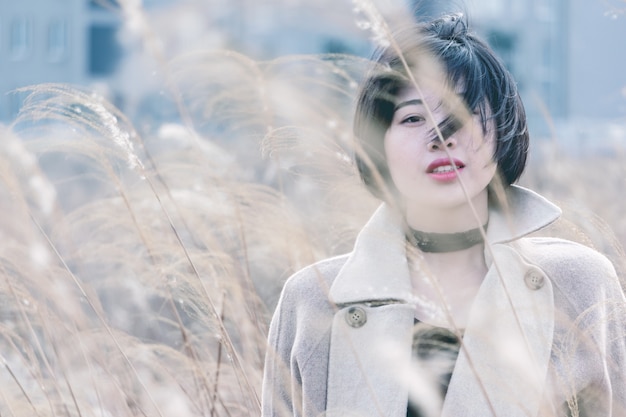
450,27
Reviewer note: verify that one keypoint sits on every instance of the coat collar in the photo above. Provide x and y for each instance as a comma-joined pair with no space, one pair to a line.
377,268
507,341
517,213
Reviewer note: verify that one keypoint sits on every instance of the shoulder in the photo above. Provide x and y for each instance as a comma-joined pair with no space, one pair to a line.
576,271
314,278
308,288
303,316
565,256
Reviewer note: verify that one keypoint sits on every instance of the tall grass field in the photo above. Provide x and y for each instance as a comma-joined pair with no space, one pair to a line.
141,255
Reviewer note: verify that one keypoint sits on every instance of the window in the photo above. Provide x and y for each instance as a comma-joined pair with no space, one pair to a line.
105,50
504,44
104,4
57,47
20,38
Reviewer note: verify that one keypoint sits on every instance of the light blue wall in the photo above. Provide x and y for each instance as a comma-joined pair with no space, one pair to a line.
55,39
597,60
38,61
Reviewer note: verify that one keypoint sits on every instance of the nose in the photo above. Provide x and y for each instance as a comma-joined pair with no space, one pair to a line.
446,134
437,144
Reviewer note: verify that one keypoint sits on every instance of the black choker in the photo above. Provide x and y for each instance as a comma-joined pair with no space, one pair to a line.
445,242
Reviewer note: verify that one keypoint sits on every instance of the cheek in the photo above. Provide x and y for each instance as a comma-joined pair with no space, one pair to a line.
389,148
483,142
479,137
489,164
490,147
485,160
397,153
393,157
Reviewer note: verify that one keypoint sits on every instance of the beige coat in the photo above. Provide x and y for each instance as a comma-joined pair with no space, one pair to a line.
545,332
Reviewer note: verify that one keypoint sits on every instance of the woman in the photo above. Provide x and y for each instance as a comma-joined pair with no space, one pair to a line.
424,316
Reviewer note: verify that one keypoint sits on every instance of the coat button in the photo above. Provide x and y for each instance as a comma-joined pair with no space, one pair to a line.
356,317
534,279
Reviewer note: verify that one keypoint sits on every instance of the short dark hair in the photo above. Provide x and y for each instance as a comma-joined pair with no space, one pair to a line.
466,59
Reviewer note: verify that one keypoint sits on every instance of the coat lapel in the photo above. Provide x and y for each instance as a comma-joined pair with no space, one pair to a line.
371,330
503,364
377,268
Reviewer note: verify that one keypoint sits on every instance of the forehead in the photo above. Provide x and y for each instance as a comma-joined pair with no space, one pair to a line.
410,93
431,95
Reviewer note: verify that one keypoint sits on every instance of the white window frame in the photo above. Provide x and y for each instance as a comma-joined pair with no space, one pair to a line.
57,41
20,38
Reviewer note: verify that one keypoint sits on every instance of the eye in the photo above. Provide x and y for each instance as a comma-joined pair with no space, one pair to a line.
412,119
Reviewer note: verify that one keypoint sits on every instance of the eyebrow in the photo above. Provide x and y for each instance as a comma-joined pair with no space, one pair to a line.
415,101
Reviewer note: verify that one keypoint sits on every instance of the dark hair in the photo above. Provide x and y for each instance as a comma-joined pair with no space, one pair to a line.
466,59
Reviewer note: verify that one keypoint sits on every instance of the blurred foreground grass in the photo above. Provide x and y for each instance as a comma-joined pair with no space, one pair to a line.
138,271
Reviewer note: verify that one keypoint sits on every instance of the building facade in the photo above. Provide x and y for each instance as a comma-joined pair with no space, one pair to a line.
69,41
565,54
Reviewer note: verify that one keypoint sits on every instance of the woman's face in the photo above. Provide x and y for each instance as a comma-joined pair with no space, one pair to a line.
418,162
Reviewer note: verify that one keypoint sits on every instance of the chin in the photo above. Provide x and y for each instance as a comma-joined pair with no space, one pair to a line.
455,199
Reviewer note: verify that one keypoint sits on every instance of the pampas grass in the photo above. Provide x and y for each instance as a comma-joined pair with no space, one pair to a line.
138,270
139,278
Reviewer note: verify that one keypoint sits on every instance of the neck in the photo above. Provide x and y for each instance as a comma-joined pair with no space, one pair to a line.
453,280
473,257
450,219
446,242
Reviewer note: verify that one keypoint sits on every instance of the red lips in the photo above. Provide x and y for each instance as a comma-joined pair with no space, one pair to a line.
444,162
